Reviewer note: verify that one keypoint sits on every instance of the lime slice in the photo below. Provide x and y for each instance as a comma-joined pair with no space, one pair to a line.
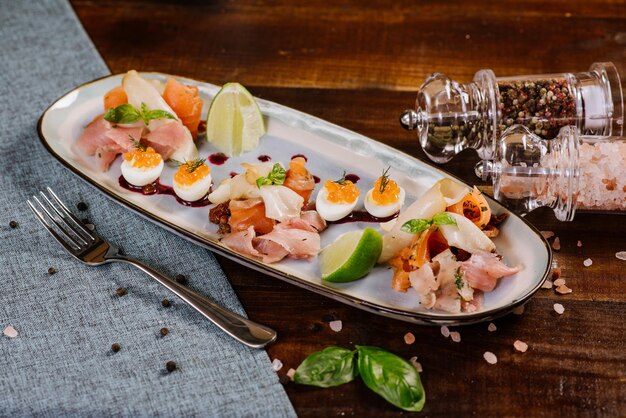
235,122
351,256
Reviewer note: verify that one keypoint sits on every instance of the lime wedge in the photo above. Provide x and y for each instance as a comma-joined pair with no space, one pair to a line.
351,256
235,122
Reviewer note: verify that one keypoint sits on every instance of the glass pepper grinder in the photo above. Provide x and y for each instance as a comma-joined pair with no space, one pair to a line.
450,117
568,173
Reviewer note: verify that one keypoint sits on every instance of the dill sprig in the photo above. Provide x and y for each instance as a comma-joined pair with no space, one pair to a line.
342,180
384,181
191,165
137,144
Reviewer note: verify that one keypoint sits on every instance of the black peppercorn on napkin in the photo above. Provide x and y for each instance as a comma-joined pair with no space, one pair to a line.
84,347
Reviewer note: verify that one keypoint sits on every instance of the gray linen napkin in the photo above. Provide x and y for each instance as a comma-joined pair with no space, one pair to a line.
61,363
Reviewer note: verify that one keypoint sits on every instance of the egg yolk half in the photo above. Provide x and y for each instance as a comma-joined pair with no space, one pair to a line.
390,194
341,193
143,159
186,176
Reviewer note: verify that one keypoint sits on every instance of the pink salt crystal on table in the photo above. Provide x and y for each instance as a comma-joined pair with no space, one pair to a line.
547,234
277,364
445,331
558,308
547,284
490,357
559,282
291,373
491,327
519,310
409,338
520,346
556,245
579,243
416,364
336,325
563,290
588,262
456,336
621,255
10,332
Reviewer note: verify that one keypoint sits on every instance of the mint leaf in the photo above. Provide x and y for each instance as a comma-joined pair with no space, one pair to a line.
276,176
443,218
125,113
415,226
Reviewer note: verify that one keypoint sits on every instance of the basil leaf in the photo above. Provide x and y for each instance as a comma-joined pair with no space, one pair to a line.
276,176
415,226
392,377
147,115
443,218
333,366
125,113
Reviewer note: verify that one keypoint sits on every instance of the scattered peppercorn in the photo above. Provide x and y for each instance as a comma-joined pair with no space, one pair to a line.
51,270
314,327
164,331
180,278
85,220
166,303
13,224
115,347
121,291
328,318
170,366
82,206
284,380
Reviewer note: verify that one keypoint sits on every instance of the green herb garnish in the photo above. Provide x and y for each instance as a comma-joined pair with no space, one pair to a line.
458,279
342,180
276,176
137,144
390,376
384,181
416,226
333,366
192,165
127,113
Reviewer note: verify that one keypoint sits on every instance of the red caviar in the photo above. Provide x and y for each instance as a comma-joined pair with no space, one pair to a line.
188,176
143,159
390,194
345,192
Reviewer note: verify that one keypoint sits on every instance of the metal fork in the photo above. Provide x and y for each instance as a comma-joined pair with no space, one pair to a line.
88,247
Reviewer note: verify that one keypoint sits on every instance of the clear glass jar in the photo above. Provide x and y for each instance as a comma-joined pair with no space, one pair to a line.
450,116
568,173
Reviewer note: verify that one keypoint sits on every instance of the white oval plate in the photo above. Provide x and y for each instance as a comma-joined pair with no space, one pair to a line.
330,149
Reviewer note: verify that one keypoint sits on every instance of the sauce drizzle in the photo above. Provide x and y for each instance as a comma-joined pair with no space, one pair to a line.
158,188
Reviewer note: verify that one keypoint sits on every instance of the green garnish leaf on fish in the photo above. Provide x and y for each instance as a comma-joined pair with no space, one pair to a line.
127,113
416,226
275,177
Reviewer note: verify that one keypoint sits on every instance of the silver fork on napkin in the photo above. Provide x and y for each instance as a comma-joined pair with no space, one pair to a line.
88,247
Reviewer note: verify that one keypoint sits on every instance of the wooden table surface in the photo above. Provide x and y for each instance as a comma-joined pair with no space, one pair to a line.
359,66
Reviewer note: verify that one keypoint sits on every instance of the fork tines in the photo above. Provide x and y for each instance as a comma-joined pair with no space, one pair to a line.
60,222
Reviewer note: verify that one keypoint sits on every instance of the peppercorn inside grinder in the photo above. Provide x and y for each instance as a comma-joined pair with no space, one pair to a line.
450,117
567,173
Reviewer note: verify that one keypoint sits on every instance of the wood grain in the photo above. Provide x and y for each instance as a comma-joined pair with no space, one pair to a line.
358,66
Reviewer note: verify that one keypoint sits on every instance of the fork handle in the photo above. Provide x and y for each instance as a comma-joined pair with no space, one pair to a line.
240,328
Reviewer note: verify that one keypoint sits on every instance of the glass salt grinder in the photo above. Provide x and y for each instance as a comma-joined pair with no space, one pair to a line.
450,117
567,173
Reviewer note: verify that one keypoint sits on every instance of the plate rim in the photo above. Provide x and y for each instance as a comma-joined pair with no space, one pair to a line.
390,312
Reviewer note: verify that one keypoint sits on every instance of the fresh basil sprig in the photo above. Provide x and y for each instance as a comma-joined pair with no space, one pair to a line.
276,176
415,226
390,376
333,366
127,113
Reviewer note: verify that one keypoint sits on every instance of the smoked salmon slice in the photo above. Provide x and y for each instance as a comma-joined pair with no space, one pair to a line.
114,98
185,102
